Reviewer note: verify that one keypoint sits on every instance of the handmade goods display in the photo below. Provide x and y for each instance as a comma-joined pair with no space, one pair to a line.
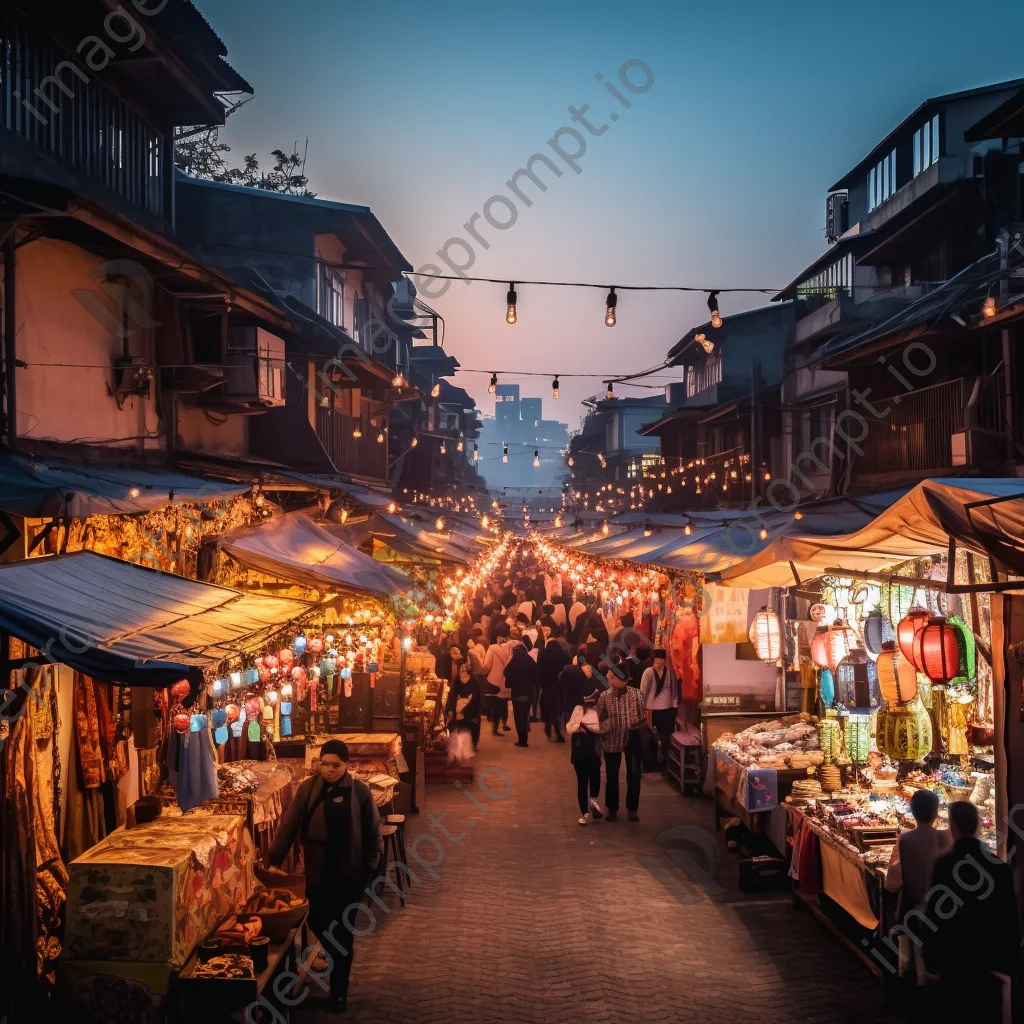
153,892
375,758
789,742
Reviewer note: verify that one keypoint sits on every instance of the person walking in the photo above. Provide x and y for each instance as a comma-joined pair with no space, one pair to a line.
584,726
334,819
495,661
660,693
521,680
621,711
910,869
554,657
462,714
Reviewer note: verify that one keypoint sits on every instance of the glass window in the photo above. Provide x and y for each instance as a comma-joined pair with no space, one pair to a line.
871,190
885,178
926,145
892,173
917,153
935,138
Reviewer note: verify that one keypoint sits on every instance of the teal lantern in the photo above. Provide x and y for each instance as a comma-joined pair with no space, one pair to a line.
827,687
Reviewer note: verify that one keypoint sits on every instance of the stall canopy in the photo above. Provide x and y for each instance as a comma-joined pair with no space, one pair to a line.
296,549
120,622
918,523
408,538
43,488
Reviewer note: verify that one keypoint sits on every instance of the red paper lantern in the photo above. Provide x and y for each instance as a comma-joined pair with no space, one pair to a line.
231,710
286,655
271,661
936,651
315,645
299,675
907,628
819,651
840,640
897,676
182,722
180,690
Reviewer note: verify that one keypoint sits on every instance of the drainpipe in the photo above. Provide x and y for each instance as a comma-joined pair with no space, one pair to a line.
10,354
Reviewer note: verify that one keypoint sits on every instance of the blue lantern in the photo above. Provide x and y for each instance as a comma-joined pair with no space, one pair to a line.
251,676
877,630
299,646
828,688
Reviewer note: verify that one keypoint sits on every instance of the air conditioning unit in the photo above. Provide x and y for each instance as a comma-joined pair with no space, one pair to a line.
978,448
255,370
837,216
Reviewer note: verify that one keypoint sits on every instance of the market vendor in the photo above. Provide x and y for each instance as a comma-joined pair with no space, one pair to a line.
334,817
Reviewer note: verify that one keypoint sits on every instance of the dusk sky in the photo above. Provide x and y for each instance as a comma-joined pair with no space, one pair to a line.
715,177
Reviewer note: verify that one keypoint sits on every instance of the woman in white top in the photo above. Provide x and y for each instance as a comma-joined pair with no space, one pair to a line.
660,693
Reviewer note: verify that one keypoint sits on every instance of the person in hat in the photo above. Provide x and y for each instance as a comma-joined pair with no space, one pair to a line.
334,818
660,692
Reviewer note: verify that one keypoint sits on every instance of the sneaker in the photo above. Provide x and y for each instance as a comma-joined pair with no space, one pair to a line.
595,810
583,819
633,816
612,816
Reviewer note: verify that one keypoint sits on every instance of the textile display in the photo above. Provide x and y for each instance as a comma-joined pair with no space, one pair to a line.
756,789
154,892
376,759
843,881
684,651
192,767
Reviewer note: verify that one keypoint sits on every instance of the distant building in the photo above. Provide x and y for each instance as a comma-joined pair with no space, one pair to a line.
519,426
506,403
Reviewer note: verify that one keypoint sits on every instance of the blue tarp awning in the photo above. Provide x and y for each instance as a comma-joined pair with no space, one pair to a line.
43,488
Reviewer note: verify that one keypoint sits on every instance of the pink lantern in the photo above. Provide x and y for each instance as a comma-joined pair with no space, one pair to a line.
819,650
840,640
271,661
286,655
252,707
315,645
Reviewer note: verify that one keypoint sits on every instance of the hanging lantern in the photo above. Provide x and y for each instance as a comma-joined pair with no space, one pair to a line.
877,630
299,646
819,651
840,640
905,733
236,680
286,656
270,661
179,691
766,635
857,683
251,676
315,645
858,737
232,712
182,723
907,628
827,688
936,650
897,677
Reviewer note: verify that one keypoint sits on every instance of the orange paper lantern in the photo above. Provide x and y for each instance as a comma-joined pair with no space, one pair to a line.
897,676
907,628
819,650
936,650
840,640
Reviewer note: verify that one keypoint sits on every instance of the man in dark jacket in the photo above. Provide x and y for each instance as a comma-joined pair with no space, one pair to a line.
335,819
551,659
521,679
970,926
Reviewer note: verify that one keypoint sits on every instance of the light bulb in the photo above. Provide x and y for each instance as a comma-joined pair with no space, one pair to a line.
609,314
554,389
380,437
134,492
763,534
610,392
439,522
536,459
688,529
798,515
392,507
415,441
493,386
989,308
716,317
435,391
460,446
716,320
444,450
476,453
571,462
397,381
510,305
357,433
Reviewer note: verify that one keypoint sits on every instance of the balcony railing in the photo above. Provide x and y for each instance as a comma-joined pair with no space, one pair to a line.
913,432
70,116
362,456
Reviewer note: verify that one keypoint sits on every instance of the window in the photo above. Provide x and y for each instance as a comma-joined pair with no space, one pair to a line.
882,181
830,282
927,145
330,293
707,376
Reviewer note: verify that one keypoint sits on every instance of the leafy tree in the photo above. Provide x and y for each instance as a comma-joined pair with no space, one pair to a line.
202,156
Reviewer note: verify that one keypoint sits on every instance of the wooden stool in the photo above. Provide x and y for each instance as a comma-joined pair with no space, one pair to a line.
399,821
392,845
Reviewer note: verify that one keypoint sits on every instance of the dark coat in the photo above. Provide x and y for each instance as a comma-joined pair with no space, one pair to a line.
573,686
367,843
471,713
521,674
972,915
551,659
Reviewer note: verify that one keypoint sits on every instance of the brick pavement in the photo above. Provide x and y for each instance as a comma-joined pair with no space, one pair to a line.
535,919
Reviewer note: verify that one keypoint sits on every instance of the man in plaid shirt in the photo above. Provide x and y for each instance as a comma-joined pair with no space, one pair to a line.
621,711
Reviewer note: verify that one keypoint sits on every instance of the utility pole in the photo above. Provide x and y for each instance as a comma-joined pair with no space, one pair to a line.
10,353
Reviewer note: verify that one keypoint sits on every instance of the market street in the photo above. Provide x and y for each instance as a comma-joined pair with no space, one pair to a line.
536,919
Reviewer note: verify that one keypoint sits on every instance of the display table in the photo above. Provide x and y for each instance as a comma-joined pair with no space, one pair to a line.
749,794
249,999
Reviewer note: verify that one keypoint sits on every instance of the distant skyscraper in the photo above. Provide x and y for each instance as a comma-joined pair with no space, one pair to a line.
506,403
531,410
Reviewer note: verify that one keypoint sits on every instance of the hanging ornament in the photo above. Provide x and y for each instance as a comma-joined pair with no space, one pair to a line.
766,635
179,691
299,646
840,641
827,688
937,651
897,676
286,656
819,647
315,645
907,628
182,723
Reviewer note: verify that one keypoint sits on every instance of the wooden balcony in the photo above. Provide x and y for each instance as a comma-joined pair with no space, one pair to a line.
360,456
913,433
62,125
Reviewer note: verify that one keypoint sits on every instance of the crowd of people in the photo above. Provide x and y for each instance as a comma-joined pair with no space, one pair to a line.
529,648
